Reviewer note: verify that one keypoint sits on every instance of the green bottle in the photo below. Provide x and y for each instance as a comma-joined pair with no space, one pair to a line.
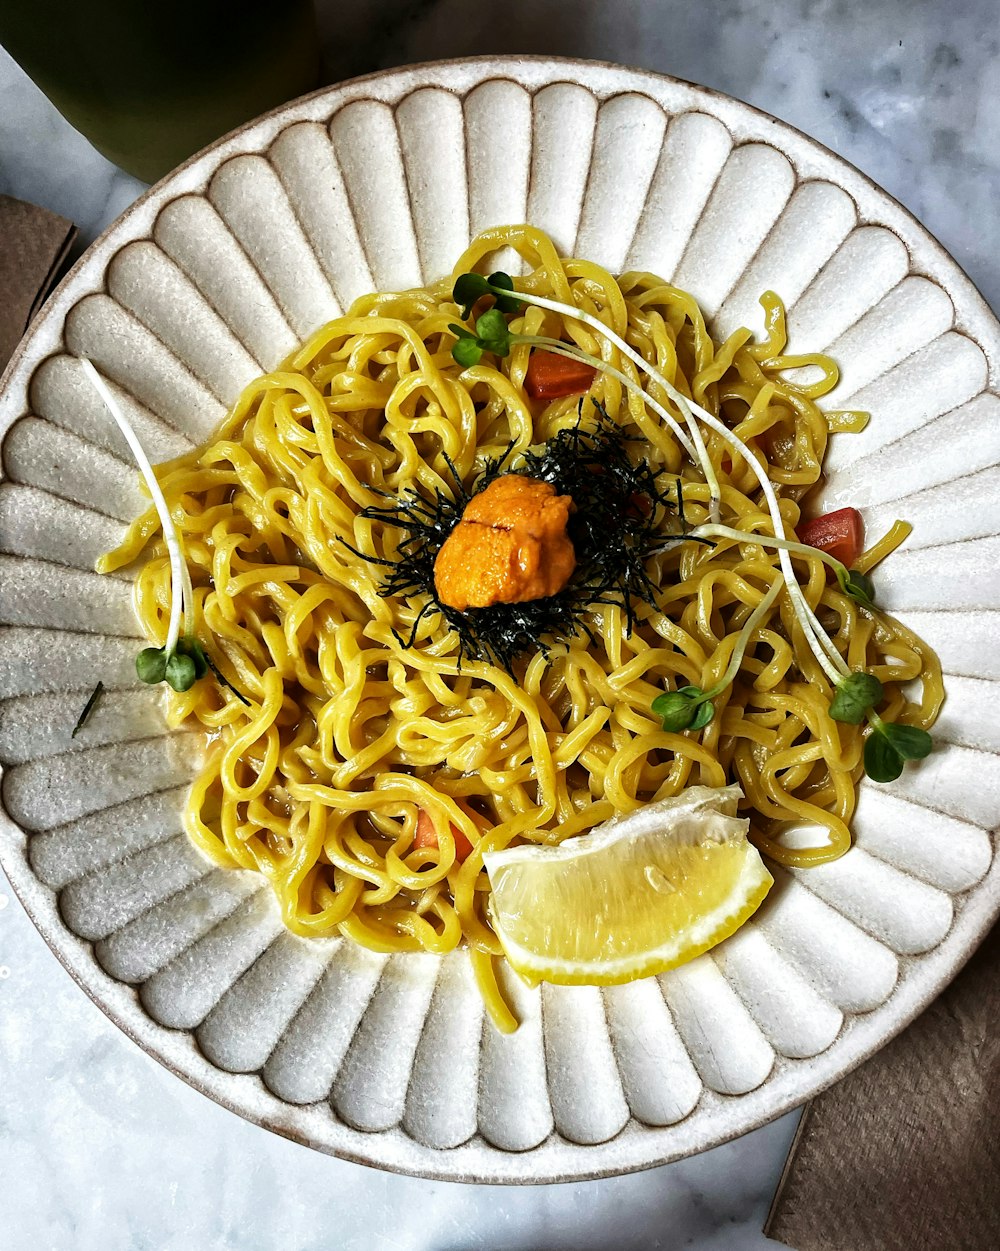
150,83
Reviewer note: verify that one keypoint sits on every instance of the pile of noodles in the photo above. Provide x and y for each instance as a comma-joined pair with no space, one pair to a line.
316,783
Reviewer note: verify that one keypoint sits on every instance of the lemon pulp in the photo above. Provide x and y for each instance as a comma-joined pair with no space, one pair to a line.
636,896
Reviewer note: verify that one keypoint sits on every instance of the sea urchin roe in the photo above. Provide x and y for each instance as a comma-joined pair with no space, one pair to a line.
510,546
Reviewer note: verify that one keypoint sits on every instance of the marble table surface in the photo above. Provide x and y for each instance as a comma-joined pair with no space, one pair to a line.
100,1148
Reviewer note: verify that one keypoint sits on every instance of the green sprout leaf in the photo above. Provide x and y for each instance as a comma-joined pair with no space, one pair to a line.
505,303
853,697
890,745
882,762
703,714
180,669
181,672
190,647
467,290
466,351
151,665
909,741
683,709
492,333
858,586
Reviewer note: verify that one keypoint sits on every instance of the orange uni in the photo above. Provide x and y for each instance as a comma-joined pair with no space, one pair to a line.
511,546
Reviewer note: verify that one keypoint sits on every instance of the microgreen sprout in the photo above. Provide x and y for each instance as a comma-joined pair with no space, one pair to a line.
182,660
180,669
469,288
491,335
159,503
688,708
889,745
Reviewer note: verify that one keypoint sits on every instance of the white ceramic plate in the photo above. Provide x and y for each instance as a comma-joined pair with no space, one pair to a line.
213,277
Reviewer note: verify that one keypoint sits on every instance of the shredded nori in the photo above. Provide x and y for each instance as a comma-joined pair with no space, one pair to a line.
88,708
616,525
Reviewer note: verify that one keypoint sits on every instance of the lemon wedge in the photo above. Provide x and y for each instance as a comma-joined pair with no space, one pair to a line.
638,895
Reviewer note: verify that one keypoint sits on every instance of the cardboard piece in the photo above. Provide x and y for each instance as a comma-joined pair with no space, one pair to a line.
905,1151
34,245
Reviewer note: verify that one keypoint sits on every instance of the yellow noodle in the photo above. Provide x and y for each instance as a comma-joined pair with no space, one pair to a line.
897,533
317,781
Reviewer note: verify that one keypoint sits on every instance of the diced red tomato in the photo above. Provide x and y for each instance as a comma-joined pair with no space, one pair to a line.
426,835
839,533
550,376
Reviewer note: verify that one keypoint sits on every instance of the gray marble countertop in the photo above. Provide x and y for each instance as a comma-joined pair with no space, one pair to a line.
100,1148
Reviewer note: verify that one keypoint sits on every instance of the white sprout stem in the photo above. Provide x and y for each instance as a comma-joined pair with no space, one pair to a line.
712,530
829,659
714,490
187,596
816,636
177,566
574,353
743,641
838,669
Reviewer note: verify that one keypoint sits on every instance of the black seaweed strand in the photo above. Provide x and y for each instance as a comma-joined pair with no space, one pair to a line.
88,708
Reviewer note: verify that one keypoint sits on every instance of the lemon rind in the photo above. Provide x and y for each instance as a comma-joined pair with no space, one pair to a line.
718,802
